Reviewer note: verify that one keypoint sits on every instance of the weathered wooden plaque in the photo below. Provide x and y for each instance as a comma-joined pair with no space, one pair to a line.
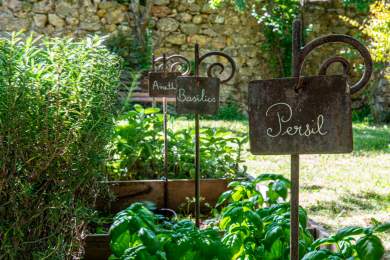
162,84
316,119
197,95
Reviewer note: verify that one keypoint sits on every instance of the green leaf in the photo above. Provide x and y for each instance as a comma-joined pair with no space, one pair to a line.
224,196
382,227
120,244
276,251
151,110
275,232
149,239
348,231
138,108
370,248
281,188
317,255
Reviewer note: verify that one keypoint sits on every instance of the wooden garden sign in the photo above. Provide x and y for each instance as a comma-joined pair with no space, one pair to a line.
304,115
316,119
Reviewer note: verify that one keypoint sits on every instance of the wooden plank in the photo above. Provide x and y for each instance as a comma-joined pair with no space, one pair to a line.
128,192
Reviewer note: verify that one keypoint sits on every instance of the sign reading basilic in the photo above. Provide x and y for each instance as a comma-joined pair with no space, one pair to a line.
314,119
197,95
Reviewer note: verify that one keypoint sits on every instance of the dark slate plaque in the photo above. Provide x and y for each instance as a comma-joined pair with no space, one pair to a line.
162,84
197,95
316,119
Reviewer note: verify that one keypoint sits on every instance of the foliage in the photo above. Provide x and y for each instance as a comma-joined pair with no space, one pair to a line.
250,229
360,5
229,112
139,234
377,27
138,149
276,18
55,122
137,57
351,243
134,45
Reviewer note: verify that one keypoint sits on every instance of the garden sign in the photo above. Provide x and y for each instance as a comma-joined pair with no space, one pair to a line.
197,95
317,119
304,115
200,95
162,83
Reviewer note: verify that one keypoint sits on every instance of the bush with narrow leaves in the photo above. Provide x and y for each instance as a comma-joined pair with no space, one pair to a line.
56,100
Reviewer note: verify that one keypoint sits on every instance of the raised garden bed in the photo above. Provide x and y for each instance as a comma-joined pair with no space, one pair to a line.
127,192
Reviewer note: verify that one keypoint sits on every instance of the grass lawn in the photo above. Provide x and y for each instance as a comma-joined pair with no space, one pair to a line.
337,190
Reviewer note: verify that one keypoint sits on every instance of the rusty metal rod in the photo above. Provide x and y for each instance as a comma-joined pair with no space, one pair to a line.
197,149
294,209
165,141
294,199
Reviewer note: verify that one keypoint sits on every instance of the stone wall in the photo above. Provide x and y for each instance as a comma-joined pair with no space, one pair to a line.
177,26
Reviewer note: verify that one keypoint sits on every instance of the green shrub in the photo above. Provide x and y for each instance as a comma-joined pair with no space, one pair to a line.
56,99
138,149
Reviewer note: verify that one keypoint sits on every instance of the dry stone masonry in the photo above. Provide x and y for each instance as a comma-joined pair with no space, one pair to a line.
177,26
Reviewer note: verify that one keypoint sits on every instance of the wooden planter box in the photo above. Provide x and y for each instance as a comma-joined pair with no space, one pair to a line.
127,192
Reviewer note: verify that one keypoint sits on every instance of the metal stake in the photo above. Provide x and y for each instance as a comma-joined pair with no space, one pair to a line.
165,119
299,53
197,150
294,207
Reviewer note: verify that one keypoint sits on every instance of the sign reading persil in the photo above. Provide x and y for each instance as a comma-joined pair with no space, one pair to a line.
314,119
162,84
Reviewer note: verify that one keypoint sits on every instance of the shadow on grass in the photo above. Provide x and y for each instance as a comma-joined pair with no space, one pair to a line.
371,138
352,202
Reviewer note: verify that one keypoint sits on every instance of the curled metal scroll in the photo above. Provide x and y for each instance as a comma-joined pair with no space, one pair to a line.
335,38
212,67
173,63
337,59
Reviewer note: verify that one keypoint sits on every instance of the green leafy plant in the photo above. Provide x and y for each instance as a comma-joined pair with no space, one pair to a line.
56,100
351,243
249,226
360,5
138,149
139,234
254,229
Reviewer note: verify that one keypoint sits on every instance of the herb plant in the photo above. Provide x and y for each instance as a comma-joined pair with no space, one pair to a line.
249,225
139,234
138,149
56,100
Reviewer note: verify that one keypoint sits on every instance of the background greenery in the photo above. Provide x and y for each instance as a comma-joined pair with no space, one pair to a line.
56,99
138,144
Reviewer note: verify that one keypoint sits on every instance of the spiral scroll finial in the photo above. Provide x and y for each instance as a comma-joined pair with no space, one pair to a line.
173,63
303,52
212,67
